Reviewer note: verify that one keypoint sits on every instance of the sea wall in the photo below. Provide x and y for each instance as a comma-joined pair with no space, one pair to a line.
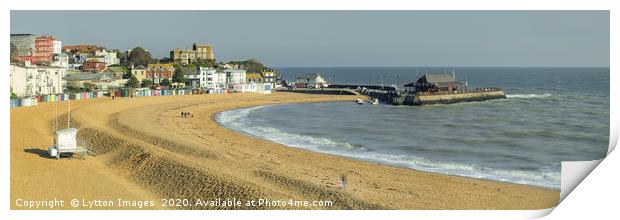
457,97
325,91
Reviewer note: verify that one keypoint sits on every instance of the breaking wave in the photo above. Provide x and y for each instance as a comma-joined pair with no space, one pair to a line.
528,96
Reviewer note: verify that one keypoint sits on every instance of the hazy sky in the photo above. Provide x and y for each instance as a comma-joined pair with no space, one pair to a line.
344,38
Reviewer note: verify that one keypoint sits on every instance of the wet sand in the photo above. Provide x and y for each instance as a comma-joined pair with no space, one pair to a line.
147,151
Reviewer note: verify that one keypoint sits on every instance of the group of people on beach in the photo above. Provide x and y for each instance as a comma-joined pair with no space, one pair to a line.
187,115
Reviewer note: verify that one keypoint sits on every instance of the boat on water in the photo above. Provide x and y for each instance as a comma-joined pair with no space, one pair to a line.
359,101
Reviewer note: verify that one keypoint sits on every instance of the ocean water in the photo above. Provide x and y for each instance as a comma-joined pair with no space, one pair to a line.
521,139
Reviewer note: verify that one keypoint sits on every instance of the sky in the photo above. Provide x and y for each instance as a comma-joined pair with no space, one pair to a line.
344,38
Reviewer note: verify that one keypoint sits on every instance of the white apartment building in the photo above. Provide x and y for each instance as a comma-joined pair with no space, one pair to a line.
235,79
235,76
56,47
61,60
197,78
29,80
213,79
109,57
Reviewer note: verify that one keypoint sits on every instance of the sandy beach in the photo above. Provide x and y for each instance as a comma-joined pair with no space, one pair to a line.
147,151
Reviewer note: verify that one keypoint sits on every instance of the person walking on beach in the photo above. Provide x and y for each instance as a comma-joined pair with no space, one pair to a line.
342,182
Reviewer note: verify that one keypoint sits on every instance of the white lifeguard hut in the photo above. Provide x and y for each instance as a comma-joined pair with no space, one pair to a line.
65,141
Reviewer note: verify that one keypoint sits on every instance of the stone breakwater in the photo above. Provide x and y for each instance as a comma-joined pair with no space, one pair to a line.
421,99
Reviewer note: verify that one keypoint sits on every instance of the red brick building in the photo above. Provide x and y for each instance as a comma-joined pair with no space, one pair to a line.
158,72
37,50
44,46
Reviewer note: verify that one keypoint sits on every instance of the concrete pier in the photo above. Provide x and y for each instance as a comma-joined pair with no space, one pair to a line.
327,91
396,97
425,98
420,99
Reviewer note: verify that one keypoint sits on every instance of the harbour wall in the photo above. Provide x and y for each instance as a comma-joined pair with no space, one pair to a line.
457,97
326,91
404,98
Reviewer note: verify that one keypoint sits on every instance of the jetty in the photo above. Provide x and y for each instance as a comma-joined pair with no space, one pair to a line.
434,89
427,89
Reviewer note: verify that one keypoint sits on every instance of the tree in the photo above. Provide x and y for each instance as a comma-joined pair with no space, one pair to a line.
251,65
178,76
123,58
165,82
89,87
205,62
132,82
13,95
127,75
146,83
139,56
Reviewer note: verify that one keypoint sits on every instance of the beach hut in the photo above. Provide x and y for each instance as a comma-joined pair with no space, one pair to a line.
75,96
28,102
14,103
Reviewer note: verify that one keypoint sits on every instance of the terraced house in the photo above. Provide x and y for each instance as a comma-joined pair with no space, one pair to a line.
159,71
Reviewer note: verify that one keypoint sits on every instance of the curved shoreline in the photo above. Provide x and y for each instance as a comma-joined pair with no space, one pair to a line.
379,162
162,155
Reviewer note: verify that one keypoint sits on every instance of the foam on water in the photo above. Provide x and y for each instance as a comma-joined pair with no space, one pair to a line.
237,120
528,96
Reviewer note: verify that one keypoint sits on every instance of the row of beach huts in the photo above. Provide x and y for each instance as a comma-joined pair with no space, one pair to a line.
34,100
163,92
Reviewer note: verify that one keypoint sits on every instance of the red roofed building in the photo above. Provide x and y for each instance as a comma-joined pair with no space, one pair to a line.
93,66
84,48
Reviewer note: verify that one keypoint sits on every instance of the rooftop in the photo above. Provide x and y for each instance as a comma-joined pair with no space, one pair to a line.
439,78
67,130
22,35
253,76
116,69
309,76
86,76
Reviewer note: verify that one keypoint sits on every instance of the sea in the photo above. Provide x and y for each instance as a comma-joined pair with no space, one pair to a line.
522,139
